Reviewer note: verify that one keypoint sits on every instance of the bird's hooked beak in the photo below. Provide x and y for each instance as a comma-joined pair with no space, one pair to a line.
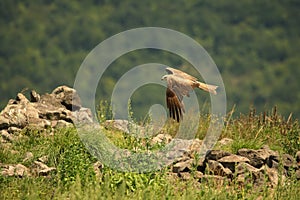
164,77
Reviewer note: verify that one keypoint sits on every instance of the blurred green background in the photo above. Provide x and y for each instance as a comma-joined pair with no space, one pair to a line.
254,43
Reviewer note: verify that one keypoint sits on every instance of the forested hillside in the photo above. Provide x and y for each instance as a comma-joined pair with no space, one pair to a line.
254,43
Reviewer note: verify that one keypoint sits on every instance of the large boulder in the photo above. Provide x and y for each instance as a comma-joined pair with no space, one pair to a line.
60,108
260,157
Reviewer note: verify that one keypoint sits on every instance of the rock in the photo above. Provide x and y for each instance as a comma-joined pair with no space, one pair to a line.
246,173
22,99
21,170
161,139
288,161
259,157
40,165
42,169
68,97
273,163
4,122
28,156
185,176
232,160
8,171
216,154
244,167
39,124
198,175
18,170
46,172
6,136
84,115
217,168
63,124
18,115
43,159
195,147
97,168
184,166
61,107
273,176
13,115
34,96
13,130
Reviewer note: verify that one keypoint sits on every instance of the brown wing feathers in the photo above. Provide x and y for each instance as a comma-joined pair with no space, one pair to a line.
174,106
182,83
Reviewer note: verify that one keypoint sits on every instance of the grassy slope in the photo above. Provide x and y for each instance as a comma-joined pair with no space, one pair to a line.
75,177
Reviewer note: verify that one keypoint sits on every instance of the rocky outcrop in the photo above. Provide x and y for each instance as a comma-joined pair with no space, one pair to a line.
61,108
247,166
257,167
38,168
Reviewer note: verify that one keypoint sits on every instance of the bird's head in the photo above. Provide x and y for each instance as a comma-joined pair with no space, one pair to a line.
164,77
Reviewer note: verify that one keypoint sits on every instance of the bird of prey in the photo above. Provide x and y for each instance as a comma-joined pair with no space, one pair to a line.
179,84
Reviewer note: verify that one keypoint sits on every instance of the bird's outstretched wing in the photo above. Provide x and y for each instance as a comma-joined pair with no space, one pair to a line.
179,73
177,88
192,80
174,105
179,84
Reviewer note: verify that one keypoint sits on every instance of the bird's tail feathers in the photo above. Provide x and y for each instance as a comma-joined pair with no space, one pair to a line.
207,87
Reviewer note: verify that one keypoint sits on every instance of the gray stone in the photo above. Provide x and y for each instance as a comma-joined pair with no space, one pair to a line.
185,176
216,154
34,96
63,124
39,124
246,173
244,167
68,97
22,99
43,159
13,130
232,160
21,170
42,169
82,116
184,166
195,147
18,170
273,176
198,174
13,115
62,106
288,161
217,168
259,157
46,172
97,166
6,136
4,122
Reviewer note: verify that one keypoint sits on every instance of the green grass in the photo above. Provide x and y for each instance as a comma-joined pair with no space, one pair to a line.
75,177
